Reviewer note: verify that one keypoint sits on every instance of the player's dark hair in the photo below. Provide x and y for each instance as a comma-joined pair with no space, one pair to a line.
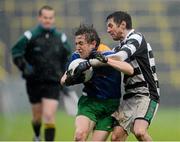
89,32
45,7
120,16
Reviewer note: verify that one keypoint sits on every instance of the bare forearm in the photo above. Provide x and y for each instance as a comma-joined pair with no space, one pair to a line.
96,62
121,66
119,56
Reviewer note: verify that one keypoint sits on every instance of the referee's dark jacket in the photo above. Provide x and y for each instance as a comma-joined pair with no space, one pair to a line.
41,54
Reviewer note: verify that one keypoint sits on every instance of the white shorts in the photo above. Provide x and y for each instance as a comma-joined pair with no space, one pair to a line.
137,107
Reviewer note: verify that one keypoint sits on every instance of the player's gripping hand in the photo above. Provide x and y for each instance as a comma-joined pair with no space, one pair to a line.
74,79
83,66
97,55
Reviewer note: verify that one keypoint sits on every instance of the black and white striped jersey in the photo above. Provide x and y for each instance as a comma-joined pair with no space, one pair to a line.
135,50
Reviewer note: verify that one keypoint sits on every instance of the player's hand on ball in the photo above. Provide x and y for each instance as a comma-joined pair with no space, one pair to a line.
83,66
74,79
99,56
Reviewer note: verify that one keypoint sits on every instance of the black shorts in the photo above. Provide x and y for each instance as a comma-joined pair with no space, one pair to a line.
36,91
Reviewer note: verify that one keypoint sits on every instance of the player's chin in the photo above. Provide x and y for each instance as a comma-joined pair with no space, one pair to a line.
115,38
47,26
83,56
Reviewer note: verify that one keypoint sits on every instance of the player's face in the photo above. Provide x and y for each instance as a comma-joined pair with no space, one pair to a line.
116,31
83,47
47,18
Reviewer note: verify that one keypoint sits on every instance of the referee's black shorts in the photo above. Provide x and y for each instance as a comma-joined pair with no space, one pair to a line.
36,91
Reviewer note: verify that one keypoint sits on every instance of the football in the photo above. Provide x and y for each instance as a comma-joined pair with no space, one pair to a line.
73,65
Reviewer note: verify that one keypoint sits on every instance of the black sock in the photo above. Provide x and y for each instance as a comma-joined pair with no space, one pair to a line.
36,128
49,132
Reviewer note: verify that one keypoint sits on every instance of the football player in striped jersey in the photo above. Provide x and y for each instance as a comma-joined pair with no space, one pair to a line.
141,98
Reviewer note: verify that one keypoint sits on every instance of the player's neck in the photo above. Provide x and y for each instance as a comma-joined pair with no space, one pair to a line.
126,33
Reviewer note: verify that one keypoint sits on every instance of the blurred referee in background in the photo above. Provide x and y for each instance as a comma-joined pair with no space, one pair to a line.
41,55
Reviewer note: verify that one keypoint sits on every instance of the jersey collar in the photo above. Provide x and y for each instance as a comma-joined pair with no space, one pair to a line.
46,30
129,32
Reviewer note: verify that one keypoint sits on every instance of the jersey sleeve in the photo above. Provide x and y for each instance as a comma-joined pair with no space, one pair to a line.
18,50
108,53
19,47
130,47
73,57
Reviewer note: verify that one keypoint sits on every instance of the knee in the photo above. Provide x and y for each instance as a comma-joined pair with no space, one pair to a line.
119,134
48,118
118,137
37,118
80,135
139,132
37,115
115,137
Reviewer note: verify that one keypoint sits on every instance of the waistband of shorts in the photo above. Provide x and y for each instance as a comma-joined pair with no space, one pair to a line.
101,99
130,95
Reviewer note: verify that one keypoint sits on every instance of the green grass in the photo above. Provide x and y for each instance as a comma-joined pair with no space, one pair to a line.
165,126
16,127
19,127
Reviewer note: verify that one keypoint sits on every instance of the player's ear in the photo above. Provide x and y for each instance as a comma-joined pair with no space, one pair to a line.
123,25
94,43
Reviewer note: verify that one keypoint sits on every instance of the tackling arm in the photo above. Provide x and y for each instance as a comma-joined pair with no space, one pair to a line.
96,63
121,66
119,56
128,49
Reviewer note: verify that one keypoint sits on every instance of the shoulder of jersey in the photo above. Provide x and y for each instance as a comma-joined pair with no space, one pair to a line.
61,35
135,35
75,55
103,48
32,33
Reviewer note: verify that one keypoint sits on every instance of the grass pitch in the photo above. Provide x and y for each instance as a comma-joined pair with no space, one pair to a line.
17,127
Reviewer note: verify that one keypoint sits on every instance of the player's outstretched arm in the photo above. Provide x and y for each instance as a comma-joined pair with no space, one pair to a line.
121,66
96,63
117,64
98,59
